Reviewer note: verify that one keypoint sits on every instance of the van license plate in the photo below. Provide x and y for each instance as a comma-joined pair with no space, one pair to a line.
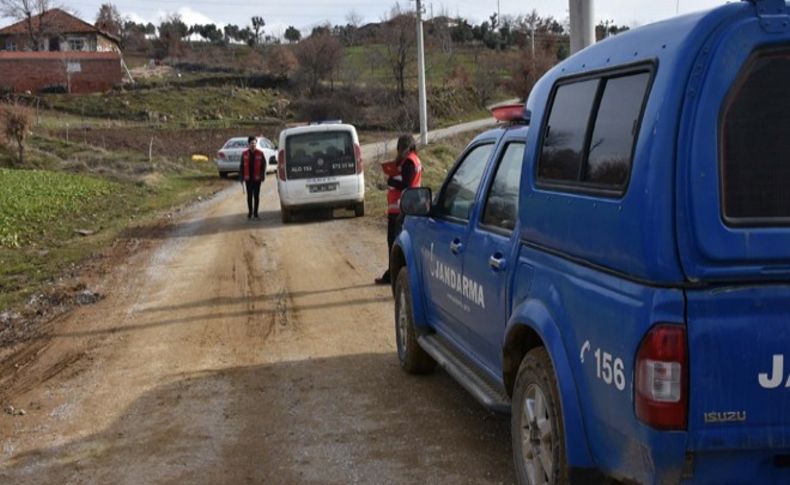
322,188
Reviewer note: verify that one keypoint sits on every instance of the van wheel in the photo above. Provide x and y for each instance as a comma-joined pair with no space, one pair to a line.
287,215
413,359
359,209
223,175
536,423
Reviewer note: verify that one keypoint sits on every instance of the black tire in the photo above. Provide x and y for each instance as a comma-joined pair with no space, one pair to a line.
359,209
546,448
413,359
223,175
287,215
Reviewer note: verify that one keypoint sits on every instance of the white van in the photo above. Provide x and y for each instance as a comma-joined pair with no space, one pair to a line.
320,166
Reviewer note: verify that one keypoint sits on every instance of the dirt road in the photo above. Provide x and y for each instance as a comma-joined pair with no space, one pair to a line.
231,351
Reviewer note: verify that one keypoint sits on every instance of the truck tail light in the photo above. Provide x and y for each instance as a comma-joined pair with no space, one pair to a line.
661,378
221,155
281,164
358,157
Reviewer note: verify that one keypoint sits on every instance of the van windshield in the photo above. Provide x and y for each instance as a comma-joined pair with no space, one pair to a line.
319,154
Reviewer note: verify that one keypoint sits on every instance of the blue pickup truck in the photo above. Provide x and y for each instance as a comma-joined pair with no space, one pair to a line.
613,266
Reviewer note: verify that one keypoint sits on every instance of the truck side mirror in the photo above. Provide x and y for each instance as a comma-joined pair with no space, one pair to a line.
416,201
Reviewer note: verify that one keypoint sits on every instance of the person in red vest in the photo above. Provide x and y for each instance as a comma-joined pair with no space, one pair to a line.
252,172
408,173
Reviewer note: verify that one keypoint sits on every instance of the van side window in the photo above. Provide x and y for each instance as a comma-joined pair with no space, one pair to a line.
591,131
501,209
755,172
458,197
561,157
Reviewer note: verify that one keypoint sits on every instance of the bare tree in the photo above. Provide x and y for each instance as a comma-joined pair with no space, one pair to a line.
33,13
257,29
353,22
485,78
399,35
281,62
318,56
109,19
16,120
442,29
526,70
172,31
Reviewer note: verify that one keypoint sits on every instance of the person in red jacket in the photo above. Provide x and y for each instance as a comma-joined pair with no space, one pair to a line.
252,172
408,173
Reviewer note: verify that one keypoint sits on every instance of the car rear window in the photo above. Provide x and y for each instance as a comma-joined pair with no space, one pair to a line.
240,143
755,168
319,154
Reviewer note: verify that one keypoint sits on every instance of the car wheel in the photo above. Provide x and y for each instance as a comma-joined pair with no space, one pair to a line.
536,424
413,359
287,215
359,209
223,175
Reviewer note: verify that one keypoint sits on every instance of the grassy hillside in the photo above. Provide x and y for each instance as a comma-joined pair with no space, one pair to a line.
173,104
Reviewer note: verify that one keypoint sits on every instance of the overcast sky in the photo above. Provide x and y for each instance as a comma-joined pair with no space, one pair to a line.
304,14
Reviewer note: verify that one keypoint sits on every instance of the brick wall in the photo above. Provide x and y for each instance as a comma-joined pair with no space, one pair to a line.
31,71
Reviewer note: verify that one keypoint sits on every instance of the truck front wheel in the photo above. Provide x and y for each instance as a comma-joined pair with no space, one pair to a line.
413,359
536,424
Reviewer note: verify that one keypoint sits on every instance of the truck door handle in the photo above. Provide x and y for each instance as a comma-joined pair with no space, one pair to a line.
497,262
456,246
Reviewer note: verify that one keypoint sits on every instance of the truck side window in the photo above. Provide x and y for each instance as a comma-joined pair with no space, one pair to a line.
501,209
591,131
609,155
755,172
458,197
563,145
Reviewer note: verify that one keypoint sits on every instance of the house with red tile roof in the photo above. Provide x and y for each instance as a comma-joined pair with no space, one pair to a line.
56,31
72,56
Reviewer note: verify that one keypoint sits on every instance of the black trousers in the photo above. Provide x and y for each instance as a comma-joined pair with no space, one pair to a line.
253,196
394,227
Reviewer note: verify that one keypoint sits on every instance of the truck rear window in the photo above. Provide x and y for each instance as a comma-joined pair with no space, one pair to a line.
755,168
319,154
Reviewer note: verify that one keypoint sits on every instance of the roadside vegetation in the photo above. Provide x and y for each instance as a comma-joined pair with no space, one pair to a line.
70,200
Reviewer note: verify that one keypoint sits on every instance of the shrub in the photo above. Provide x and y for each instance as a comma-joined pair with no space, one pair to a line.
53,89
526,71
324,109
16,123
281,62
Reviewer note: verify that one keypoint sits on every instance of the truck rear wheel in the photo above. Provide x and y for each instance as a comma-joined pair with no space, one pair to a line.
536,423
359,209
287,215
413,359
223,175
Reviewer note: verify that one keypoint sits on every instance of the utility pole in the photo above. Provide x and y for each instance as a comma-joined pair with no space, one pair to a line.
421,78
582,28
